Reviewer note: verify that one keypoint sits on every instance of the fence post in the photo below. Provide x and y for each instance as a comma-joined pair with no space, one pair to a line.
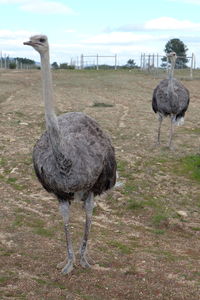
82,62
1,61
191,67
149,62
144,58
115,61
97,65
153,58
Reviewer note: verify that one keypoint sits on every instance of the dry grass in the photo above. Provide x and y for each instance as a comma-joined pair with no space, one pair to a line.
144,247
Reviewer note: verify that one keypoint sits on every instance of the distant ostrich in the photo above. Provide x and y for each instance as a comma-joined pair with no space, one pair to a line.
170,98
73,158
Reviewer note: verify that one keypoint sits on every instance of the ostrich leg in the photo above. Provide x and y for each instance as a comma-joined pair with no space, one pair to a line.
171,134
159,128
89,205
68,264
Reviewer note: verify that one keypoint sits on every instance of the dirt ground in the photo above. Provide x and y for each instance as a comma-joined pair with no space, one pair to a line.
145,233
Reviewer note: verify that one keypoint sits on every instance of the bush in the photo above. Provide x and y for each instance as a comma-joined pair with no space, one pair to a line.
12,65
66,66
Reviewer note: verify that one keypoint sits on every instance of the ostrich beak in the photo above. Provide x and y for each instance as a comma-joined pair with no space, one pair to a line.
29,43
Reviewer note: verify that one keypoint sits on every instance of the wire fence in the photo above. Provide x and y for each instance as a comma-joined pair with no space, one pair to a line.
159,64
13,63
88,61
151,63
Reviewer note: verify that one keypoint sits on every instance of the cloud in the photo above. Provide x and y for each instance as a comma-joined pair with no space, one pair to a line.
13,1
9,34
162,24
197,2
167,23
41,6
117,38
70,30
47,7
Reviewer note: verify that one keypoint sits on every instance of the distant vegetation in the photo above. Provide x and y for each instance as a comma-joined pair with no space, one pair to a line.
16,62
20,63
55,66
176,45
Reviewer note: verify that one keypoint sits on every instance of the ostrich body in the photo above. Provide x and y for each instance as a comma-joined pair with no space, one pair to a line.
73,158
170,98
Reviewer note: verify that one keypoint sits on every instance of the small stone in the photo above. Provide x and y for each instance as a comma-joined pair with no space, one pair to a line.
23,123
182,213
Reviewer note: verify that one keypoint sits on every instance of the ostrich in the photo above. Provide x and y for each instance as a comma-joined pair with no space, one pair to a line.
73,158
170,98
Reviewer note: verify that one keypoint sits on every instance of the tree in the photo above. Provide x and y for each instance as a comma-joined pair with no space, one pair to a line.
55,65
25,61
131,63
176,45
12,65
66,66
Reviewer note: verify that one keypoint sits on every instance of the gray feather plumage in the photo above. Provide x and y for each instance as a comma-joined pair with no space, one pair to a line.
167,102
85,150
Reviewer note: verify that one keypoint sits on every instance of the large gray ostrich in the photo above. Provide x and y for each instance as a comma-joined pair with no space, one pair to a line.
73,158
170,98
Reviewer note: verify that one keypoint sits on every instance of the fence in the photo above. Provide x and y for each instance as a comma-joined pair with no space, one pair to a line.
148,62
7,63
86,61
153,62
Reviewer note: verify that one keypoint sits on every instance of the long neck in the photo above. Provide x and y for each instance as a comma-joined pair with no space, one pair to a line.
51,119
50,116
171,75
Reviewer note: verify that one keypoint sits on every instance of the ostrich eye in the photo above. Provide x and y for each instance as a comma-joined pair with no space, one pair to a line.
42,40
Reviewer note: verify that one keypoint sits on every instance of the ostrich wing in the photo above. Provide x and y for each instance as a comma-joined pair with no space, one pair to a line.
167,103
183,95
84,146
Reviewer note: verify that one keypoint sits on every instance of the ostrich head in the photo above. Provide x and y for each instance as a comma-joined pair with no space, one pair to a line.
172,57
39,43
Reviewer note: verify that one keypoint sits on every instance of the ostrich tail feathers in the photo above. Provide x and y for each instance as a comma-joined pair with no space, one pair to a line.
179,121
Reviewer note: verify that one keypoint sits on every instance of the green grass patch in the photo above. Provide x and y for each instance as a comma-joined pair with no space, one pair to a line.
44,232
19,114
11,180
3,162
15,185
165,254
129,188
135,204
6,252
122,165
49,283
19,221
195,228
37,225
189,166
3,279
158,231
123,248
152,202
159,220
102,104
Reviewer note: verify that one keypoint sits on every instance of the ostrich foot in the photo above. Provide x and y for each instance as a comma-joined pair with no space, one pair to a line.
171,147
68,267
84,262
155,145
61,264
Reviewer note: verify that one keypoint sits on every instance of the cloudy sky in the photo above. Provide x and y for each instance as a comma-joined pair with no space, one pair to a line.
125,27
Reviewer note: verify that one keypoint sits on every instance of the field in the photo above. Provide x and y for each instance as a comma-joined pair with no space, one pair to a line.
145,237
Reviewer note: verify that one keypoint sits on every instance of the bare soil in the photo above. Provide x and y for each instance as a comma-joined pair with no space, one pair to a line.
145,234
